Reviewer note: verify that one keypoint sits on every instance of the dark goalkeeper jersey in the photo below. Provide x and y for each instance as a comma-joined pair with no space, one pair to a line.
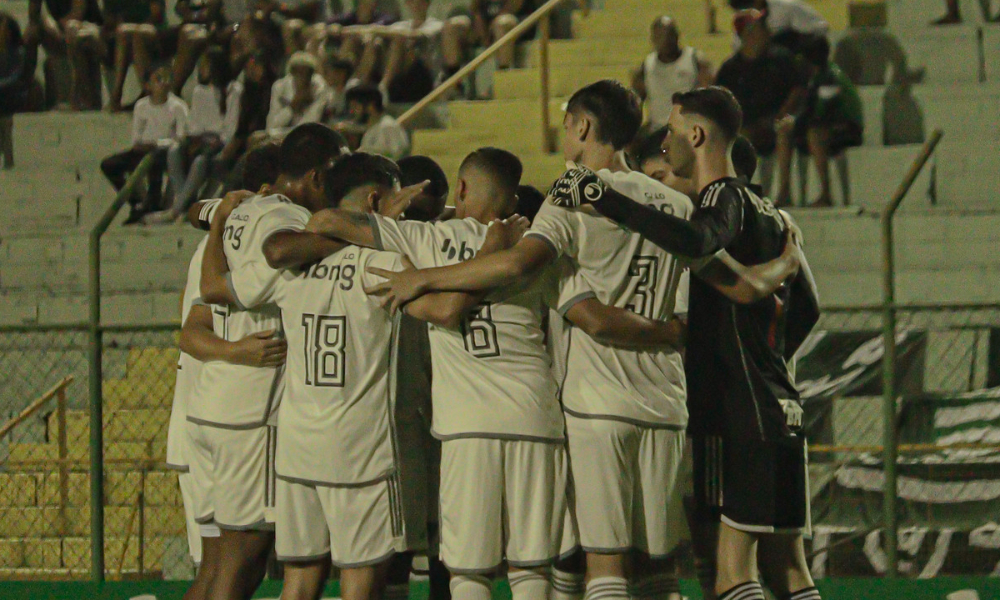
735,368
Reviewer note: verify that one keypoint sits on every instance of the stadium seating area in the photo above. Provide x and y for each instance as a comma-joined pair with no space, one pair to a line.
946,236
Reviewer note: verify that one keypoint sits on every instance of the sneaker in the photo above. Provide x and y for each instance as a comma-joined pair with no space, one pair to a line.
163,217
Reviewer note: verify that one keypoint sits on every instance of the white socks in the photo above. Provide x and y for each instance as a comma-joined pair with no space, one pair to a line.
607,588
470,587
528,585
567,586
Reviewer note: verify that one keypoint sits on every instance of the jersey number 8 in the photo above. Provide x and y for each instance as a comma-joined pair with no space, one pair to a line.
324,350
480,333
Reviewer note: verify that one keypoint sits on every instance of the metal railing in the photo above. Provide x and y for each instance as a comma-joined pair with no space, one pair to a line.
541,18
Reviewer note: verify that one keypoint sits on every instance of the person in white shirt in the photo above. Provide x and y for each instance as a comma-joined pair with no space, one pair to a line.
668,69
214,115
158,121
382,133
301,96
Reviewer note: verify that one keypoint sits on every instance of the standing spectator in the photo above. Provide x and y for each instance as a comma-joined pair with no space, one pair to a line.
255,103
831,121
382,133
158,121
69,30
668,69
298,19
17,69
767,80
214,116
352,32
793,23
299,97
413,58
136,26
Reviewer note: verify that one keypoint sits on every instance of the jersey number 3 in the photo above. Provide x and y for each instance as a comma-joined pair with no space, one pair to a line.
644,269
480,333
324,350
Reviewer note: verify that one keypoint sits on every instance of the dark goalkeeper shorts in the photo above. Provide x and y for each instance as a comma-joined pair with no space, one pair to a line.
753,486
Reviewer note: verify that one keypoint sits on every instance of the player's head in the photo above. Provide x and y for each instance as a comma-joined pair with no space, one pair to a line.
650,158
704,121
664,34
604,113
487,184
429,204
744,157
306,152
529,201
364,103
360,181
262,166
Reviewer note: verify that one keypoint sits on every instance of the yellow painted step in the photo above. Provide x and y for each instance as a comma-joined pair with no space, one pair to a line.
29,456
138,393
128,425
43,553
499,115
76,553
524,83
627,52
633,19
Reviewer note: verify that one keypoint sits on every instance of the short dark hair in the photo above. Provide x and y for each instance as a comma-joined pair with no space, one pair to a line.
503,168
310,146
650,146
715,103
615,107
416,169
529,201
366,95
261,166
816,51
352,171
744,157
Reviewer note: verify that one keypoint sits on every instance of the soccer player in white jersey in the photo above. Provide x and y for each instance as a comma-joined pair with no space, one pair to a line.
231,416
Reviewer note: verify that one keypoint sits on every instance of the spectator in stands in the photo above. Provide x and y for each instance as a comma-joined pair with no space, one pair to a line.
158,121
17,69
258,79
954,15
337,74
490,20
202,23
352,33
429,205
136,26
382,133
68,30
413,55
668,69
301,96
831,120
298,18
793,23
212,122
766,79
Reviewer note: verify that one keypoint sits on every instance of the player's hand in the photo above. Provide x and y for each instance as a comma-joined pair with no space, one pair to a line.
395,205
577,187
793,229
260,349
228,205
398,288
504,233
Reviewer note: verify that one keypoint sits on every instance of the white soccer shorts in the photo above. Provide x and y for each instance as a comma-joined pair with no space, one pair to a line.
501,498
234,468
625,486
191,495
354,526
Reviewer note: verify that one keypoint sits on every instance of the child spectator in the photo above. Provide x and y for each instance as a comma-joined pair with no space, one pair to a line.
17,68
668,69
159,120
382,133
337,74
299,97
213,118
831,120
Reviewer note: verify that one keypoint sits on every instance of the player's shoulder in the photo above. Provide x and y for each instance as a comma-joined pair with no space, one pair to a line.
274,203
729,189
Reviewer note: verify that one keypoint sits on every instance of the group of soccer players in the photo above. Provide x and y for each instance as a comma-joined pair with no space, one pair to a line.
501,395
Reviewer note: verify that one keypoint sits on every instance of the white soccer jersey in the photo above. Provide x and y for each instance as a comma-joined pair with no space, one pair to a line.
620,269
493,378
334,426
188,368
237,396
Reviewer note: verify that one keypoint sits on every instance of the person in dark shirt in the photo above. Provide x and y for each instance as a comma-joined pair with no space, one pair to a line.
745,412
72,29
767,80
17,68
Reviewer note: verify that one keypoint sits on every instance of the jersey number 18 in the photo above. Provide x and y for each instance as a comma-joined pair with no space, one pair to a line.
324,350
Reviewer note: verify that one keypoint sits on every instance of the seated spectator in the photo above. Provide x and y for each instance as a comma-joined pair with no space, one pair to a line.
255,102
382,133
71,29
766,79
353,34
158,121
298,19
429,205
17,78
793,23
413,57
668,69
831,120
337,73
203,23
212,122
299,97
136,26
490,21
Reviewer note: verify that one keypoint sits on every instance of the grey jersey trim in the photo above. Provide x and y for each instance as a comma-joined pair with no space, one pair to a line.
510,437
327,484
181,468
236,427
261,525
566,306
472,570
376,232
302,559
544,238
592,550
232,290
528,564
636,422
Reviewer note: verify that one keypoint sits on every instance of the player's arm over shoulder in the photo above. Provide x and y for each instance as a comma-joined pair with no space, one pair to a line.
286,244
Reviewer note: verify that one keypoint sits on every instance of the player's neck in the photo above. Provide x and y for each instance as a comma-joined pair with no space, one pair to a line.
597,157
711,167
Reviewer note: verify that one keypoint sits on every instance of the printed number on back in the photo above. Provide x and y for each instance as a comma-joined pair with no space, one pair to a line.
644,269
480,332
324,350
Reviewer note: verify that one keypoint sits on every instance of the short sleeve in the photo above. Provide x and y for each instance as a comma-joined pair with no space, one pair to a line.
253,284
388,261
414,239
573,288
552,225
251,280
683,290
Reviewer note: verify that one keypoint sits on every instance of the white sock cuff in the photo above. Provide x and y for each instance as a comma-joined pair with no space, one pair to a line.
470,587
568,583
209,530
516,577
607,588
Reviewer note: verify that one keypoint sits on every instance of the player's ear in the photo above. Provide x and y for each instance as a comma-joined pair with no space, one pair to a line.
372,200
461,190
583,127
698,135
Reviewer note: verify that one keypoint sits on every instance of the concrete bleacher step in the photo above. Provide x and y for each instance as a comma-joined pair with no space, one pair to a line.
71,555
127,425
907,15
876,171
622,18
526,83
949,55
991,52
624,51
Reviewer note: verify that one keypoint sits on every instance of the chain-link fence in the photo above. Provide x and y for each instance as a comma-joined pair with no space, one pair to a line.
44,459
